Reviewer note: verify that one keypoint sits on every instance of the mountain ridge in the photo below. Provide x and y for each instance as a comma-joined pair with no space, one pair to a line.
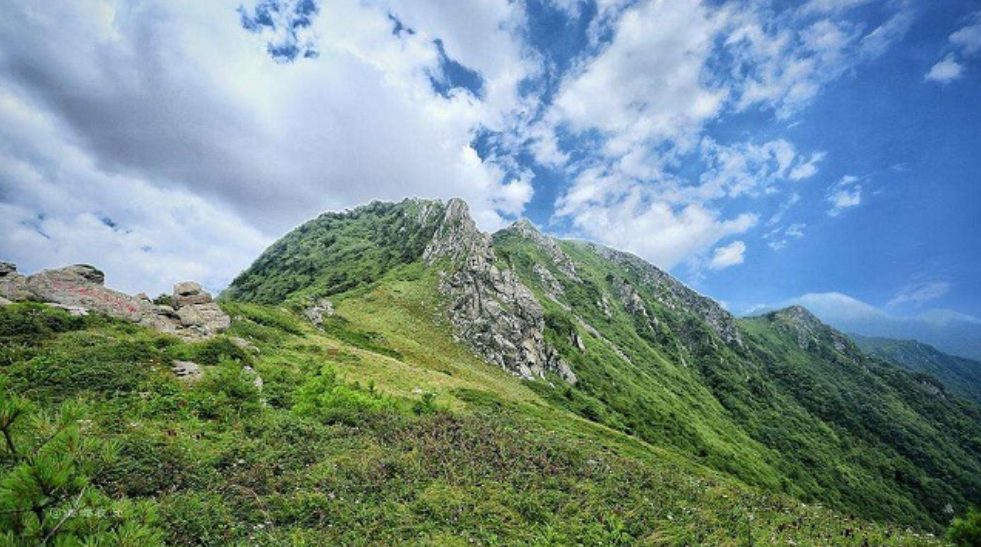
779,400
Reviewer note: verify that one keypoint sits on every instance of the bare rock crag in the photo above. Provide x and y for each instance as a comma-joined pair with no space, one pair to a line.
80,289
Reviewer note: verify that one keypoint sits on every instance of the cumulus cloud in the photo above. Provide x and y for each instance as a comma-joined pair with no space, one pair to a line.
644,101
945,70
175,103
60,208
624,217
647,86
964,44
844,194
729,255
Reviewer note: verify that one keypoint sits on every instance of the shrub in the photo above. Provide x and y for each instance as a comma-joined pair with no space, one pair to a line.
966,531
48,494
328,397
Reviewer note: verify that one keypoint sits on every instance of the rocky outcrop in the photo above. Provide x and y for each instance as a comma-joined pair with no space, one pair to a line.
491,311
525,229
186,370
80,290
13,286
316,312
673,294
548,282
188,293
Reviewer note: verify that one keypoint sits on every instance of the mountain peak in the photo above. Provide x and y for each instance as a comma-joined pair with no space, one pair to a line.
457,237
807,328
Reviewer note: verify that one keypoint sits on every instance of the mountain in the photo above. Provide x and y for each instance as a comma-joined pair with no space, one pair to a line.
780,401
391,375
960,376
951,332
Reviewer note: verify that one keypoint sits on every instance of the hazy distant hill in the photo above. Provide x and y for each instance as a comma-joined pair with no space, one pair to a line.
946,330
960,376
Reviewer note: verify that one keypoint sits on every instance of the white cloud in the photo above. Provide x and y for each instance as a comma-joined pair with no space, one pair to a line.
844,194
965,43
647,86
164,114
807,169
651,91
779,237
730,255
751,169
968,39
622,216
919,293
69,211
832,6
945,70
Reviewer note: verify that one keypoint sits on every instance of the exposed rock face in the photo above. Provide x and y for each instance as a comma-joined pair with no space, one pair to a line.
13,286
7,268
81,286
79,290
491,310
674,295
549,282
204,319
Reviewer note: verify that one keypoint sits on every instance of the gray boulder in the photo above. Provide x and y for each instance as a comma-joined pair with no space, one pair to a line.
187,293
186,370
204,319
81,286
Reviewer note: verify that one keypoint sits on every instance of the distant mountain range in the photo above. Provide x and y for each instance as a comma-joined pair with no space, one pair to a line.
947,330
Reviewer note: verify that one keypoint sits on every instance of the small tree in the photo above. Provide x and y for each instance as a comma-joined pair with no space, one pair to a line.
966,531
47,495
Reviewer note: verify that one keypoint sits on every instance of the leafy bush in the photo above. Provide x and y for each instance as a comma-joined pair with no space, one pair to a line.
966,531
328,397
30,321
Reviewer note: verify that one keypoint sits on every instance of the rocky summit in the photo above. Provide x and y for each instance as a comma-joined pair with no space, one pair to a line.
80,289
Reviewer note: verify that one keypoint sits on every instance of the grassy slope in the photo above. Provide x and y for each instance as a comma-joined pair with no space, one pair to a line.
802,422
961,377
225,464
768,413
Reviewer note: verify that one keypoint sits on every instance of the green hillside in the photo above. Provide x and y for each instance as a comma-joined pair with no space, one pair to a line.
407,416
960,376
781,402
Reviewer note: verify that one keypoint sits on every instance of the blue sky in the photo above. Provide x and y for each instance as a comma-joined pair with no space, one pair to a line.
763,152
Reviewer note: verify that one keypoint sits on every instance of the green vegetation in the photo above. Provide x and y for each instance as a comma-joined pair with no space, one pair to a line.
959,376
379,428
337,252
822,423
966,531
335,449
